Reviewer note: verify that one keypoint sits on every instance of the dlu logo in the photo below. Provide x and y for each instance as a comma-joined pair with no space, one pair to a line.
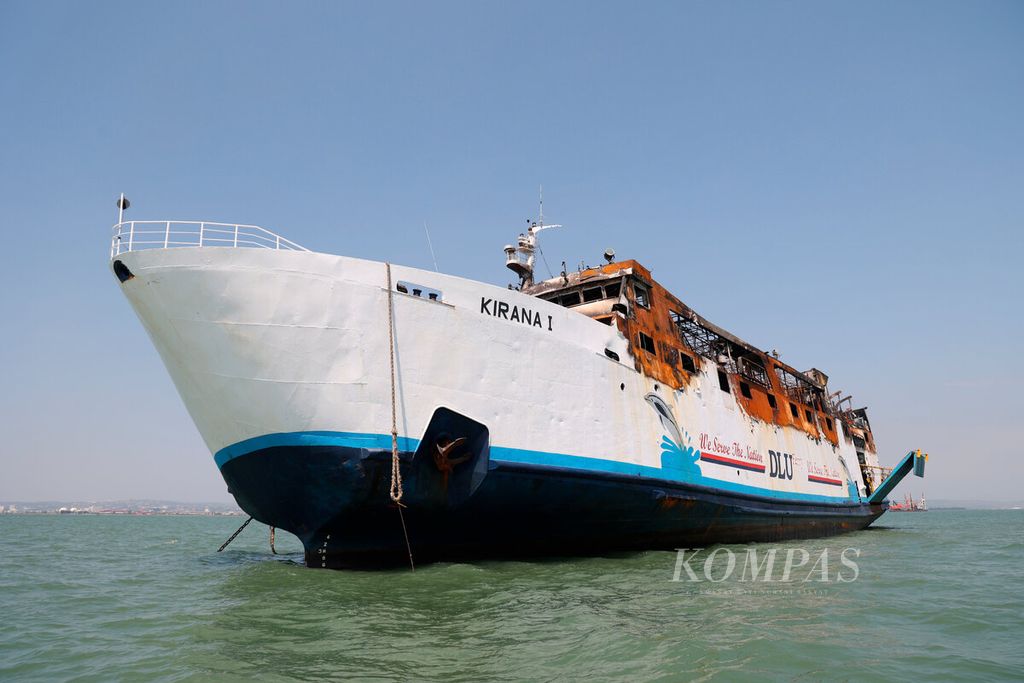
721,564
781,465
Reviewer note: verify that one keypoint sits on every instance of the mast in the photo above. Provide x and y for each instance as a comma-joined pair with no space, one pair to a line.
520,258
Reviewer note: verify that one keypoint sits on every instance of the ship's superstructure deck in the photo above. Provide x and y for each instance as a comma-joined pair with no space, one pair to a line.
671,343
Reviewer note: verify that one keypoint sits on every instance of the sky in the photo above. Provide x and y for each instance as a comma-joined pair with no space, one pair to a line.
843,182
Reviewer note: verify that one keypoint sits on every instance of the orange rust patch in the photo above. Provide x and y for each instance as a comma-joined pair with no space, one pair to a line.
659,351
669,503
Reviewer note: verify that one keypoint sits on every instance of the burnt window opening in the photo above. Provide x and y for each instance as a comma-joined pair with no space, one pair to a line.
706,342
772,402
592,294
643,297
612,291
807,413
792,409
688,363
794,385
122,272
604,320
745,390
646,343
828,421
752,370
570,299
723,382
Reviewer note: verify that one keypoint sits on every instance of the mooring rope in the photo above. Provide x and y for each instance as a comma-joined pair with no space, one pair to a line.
396,491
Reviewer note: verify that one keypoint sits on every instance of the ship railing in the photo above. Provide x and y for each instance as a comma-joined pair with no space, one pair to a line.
139,235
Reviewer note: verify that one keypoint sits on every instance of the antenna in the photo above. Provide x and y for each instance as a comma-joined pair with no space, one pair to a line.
542,205
429,244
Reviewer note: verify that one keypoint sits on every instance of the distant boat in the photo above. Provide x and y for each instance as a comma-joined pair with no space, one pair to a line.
378,411
910,505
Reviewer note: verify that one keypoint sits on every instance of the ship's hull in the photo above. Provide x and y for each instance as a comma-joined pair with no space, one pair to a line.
282,359
336,500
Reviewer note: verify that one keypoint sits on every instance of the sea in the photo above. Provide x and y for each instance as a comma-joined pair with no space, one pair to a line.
926,596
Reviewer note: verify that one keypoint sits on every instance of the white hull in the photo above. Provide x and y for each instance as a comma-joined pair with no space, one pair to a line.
266,342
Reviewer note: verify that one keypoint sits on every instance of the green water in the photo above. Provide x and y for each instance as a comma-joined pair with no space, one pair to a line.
939,596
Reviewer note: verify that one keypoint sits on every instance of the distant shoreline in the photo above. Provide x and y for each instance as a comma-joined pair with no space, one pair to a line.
124,513
132,507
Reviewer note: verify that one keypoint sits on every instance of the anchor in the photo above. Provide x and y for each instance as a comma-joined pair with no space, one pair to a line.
443,459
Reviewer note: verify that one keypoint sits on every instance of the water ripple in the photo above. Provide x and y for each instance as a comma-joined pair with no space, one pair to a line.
938,597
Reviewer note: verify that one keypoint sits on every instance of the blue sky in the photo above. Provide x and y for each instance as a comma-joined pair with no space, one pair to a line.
843,182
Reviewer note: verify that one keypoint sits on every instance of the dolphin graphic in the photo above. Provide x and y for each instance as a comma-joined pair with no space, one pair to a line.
665,415
681,460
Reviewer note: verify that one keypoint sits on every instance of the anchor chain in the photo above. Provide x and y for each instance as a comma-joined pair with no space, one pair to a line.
235,535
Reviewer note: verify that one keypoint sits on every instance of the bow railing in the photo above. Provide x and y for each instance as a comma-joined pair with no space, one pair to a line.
139,235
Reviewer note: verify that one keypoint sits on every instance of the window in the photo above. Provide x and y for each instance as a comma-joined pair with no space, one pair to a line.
612,291
828,421
772,402
792,409
592,294
570,299
723,382
646,343
752,370
745,390
810,418
687,363
643,297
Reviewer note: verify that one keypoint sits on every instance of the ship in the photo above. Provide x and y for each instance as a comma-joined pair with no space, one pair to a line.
910,505
386,414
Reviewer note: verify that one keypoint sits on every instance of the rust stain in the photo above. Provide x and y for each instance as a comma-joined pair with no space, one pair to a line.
653,320
670,503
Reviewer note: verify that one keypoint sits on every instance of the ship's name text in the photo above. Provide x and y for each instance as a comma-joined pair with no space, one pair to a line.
517,314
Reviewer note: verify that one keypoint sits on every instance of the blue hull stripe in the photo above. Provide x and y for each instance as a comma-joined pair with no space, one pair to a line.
373,442
382,442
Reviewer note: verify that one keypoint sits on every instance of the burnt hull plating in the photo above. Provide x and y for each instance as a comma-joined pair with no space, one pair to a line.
335,499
